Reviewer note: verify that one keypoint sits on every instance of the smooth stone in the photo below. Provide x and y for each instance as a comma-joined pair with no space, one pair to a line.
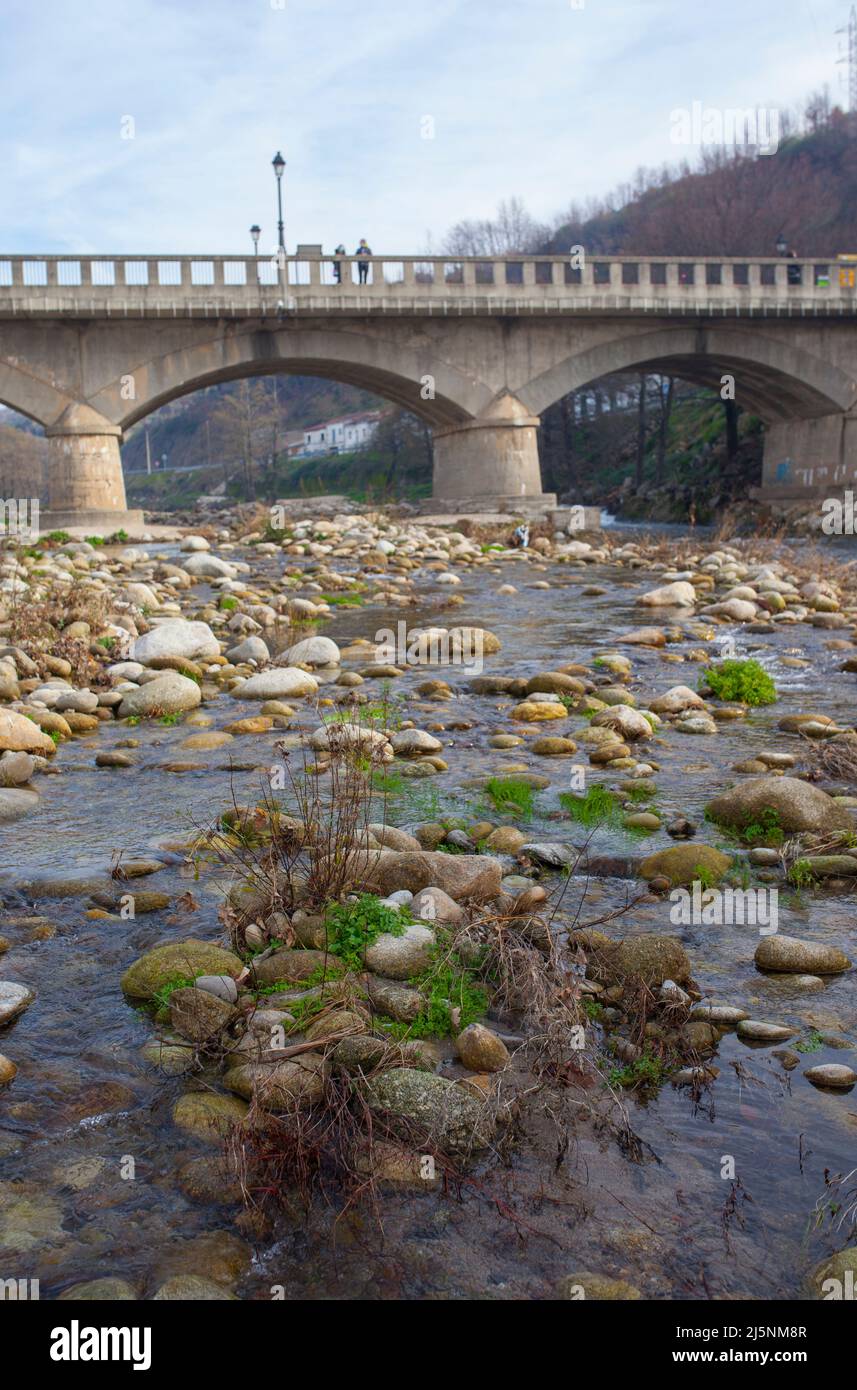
833,1075
757,1031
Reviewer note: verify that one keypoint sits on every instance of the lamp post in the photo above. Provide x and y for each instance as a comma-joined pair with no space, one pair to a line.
279,165
255,232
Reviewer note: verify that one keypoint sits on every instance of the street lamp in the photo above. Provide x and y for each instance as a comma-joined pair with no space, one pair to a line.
782,244
255,232
279,165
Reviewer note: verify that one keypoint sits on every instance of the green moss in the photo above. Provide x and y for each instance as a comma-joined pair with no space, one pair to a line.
648,1072
161,997
744,681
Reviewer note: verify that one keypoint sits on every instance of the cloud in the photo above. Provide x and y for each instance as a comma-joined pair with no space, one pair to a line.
538,99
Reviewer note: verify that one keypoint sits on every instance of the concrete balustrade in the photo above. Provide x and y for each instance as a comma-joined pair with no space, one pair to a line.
246,286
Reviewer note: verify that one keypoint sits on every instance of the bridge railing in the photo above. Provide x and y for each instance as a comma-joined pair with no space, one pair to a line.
311,280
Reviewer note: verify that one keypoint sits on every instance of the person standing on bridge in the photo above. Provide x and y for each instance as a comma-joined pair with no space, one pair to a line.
337,264
364,251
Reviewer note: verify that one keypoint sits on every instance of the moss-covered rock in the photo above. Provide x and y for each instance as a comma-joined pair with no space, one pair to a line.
681,864
176,961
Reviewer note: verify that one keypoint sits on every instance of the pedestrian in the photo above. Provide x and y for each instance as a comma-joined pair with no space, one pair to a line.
521,536
337,265
364,251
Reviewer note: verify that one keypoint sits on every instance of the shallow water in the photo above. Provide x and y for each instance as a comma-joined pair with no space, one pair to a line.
84,1102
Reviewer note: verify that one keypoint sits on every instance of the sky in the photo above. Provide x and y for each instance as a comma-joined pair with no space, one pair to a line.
137,126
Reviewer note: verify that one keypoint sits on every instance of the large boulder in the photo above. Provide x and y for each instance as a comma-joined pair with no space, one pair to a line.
791,956
681,864
280,1084
279,683
443,1114
170,693
651,958
798,805
180,960
19,734
176,637
458,875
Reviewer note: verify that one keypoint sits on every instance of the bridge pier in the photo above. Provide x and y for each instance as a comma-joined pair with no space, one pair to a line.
495,455
85,483
809,458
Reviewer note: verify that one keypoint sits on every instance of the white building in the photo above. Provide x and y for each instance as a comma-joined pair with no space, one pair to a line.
341,436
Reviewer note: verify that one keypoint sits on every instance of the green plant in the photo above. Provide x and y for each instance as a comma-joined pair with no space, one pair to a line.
703,876
58,537
161,997
813,1042
448,984
170,719
108,643
765,830
801,874
511,794
227,604
646,1072
597,807
745,681
118,537
95,540
352,927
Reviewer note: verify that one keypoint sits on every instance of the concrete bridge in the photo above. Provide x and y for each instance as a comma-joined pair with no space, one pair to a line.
478,348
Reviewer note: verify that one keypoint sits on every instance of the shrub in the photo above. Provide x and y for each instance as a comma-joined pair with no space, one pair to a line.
745,681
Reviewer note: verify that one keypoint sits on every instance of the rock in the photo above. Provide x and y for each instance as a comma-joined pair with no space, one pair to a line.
107,1290
757,1031
221,986
799,806
460,876
14,999
204,743
169,693
256,724
8,1071
190,1288
724,1015
651,958
551,855
831,1279
538,712
395,1000
253,649
681,594
173,1057
681,864
280,1085
831,865
16,802
481,1050
197,1015
180,960
175,637
677,700
597,1288
331,1025
16,769
833,1075
19,734
313,651
194,543
447,1117
286,965
208,1115
554,747
411,743
401,957
630,723
391,838
505,840
208,567
790,955
433,905
280,682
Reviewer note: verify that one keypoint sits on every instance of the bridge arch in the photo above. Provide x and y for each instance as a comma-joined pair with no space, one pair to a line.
775,380
419,379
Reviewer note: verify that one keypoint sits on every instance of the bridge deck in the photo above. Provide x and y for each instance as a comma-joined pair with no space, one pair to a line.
207,286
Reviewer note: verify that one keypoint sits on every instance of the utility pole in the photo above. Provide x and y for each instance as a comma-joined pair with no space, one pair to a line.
851,59
148,454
